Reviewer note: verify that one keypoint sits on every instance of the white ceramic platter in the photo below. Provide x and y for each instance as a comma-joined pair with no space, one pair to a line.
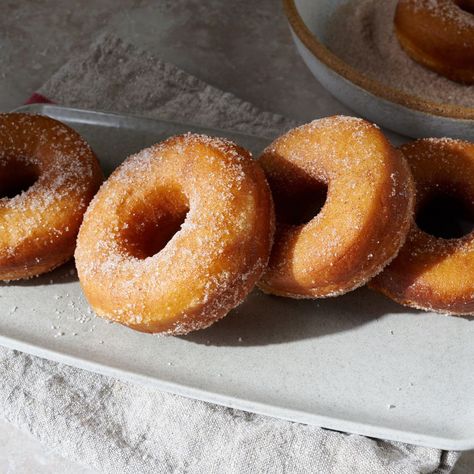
357,363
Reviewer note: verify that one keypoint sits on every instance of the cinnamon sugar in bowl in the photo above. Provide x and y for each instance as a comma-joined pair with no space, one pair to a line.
326,32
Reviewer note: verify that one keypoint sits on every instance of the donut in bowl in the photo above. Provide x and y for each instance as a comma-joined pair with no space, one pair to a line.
439,34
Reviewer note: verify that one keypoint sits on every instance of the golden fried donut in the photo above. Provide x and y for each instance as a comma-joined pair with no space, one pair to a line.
363,222
48,175
177,236
435,273
439,34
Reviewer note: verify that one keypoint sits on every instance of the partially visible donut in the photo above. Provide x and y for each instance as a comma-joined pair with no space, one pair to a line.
365,218
434,273
177,236
48,175
439,34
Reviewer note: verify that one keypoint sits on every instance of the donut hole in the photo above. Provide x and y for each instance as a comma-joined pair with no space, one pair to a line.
301,202
16,176
152,222
466,5
446,215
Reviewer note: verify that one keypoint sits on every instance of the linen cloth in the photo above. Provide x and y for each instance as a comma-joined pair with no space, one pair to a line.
118,427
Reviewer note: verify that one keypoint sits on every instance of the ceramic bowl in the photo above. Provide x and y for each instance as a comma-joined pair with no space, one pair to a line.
391,108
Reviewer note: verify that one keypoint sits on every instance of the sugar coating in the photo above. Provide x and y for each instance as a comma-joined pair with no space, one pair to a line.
366,216
447,10
208,266
49,212
433,273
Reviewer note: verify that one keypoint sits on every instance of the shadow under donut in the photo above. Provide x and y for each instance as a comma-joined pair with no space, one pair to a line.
264,319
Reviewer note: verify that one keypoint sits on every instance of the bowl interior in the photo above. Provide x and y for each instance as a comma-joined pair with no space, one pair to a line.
317,18
309,19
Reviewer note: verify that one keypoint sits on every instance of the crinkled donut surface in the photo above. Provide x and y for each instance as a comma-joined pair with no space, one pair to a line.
177,236
48,175
365,217
435,273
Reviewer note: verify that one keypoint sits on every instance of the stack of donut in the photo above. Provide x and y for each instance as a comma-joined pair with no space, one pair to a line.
182,231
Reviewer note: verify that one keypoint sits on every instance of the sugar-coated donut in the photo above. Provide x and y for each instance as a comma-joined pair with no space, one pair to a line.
364,220
48,175
212,200
439,34
434,273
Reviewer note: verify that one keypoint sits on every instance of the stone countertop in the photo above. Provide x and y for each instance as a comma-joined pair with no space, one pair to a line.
243,47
